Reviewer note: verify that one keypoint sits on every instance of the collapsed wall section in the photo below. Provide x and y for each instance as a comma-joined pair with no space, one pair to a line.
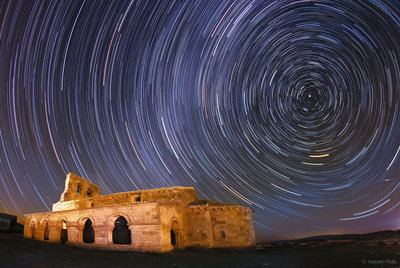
179,196
77,188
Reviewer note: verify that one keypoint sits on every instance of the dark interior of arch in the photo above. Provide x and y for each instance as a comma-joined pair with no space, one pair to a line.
88,232
46,232
64,233
173,238
121,233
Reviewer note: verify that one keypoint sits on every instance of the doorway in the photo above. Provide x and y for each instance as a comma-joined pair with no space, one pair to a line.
121,232
46,232
88,232
174,233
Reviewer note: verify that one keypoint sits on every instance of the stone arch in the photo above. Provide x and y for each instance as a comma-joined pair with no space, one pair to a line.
61,223
44,228
175,232
86,230
82,220
121,234
111,220
88,235
32,229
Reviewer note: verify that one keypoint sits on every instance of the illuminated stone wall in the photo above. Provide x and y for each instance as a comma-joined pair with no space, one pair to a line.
142,218
158,220
77,188
219,226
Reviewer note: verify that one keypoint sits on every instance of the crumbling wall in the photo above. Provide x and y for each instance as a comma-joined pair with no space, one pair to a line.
179,196
77,188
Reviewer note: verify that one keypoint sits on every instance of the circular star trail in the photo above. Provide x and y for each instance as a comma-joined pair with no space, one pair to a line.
288,107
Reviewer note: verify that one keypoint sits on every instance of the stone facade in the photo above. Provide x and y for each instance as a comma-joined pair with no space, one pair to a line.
156,220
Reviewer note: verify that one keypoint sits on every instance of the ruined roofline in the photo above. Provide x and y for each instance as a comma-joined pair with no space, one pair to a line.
211,203
80,193
70,174
160,195
79,188
108,205
151,190
135,192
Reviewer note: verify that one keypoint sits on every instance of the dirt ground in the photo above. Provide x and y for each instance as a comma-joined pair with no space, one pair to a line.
16,251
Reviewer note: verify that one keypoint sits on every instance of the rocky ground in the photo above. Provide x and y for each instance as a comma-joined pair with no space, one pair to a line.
15,251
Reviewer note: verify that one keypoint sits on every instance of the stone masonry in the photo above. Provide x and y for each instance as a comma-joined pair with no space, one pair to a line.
156,220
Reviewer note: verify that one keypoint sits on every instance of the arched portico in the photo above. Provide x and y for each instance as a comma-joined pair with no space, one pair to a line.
111,221
86,230
62,229
121,233
44,229
32,229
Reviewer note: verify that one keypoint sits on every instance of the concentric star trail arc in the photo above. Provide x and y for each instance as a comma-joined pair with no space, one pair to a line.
288,107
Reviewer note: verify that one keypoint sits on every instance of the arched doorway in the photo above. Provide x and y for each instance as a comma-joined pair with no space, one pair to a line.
173,238
64,232
46,231
88,232
174,233
121,233
33,231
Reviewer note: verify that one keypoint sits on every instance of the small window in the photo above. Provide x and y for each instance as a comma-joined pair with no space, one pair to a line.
89,193
223,234
138,199
78,189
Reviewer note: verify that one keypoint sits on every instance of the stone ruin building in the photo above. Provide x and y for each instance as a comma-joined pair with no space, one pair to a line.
156,220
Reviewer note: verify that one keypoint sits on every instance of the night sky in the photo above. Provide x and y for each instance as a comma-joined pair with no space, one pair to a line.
288,107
